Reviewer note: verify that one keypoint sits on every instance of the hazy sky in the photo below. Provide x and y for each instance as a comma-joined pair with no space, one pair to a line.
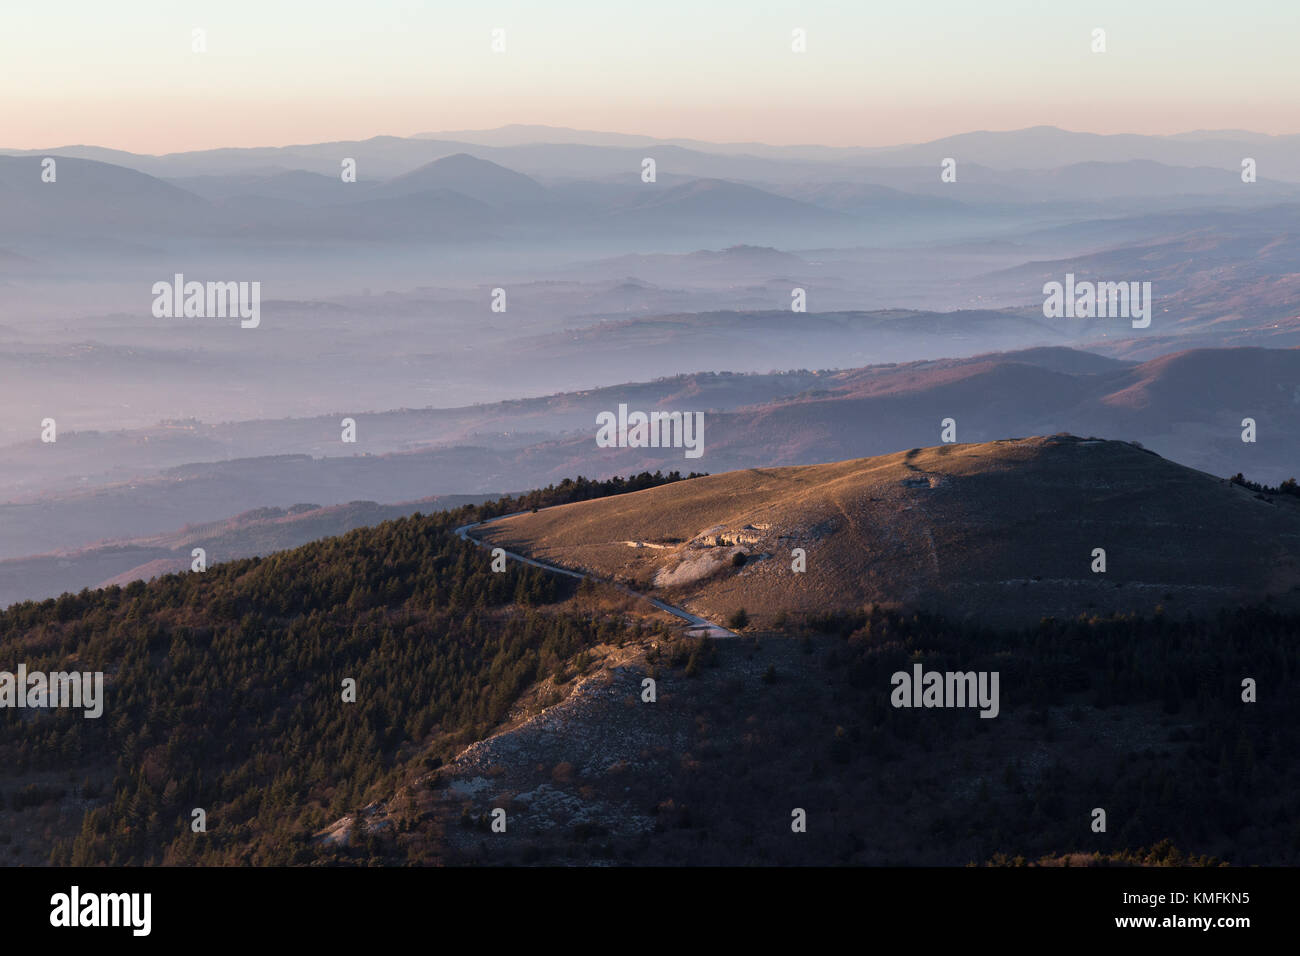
123,74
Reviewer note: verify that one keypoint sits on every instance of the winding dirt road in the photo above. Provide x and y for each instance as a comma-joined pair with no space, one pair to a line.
697,626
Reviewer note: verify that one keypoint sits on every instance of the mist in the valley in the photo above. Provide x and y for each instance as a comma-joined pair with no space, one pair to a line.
472,307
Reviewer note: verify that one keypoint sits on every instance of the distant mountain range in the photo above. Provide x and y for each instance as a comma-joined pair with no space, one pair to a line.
1038,147
454,189
546,151
454,197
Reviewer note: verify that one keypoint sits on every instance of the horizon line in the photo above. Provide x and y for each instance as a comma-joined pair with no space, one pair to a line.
433,135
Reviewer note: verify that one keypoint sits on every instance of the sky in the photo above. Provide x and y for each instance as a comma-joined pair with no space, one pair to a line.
275,72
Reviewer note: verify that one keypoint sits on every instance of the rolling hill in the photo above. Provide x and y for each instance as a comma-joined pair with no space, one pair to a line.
996,532
522,692
478,179
94,198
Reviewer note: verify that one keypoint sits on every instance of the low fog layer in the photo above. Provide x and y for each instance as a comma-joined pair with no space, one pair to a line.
472,304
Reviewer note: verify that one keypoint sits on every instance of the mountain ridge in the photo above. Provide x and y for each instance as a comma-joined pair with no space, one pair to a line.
1000,532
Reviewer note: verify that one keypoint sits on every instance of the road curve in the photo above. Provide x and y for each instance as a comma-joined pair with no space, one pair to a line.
699,627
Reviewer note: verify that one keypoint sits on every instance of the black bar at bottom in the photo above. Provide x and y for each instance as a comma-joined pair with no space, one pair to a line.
330,906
